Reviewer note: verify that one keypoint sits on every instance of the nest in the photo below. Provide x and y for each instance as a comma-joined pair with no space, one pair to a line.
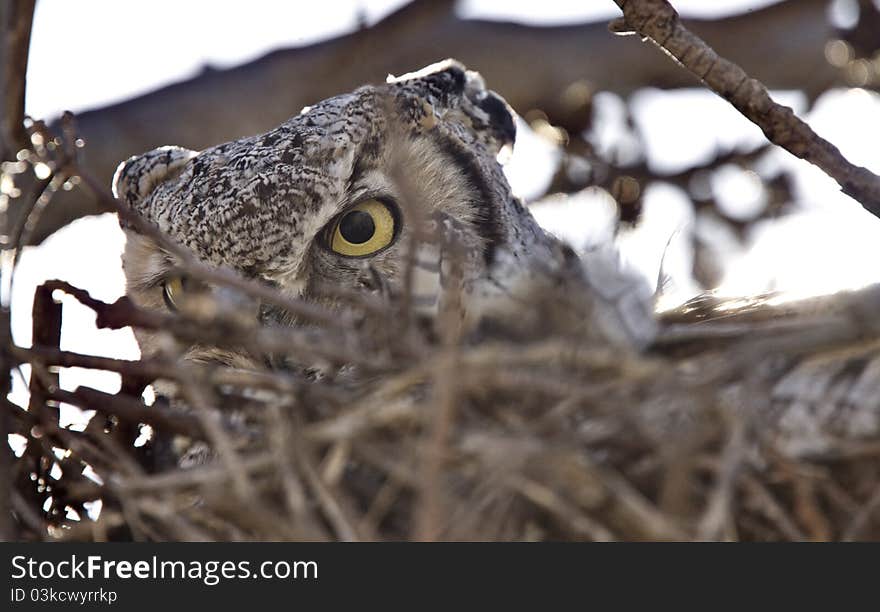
415,435
400,430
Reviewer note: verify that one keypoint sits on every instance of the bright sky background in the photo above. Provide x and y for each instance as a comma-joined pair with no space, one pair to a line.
169,40
123,49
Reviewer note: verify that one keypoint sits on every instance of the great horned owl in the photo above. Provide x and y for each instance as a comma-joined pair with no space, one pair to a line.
332,196
339,193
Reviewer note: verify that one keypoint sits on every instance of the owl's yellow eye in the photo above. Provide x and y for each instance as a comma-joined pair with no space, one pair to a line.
363,230
172,292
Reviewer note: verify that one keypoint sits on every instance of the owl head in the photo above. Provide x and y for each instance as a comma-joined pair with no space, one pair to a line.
336,196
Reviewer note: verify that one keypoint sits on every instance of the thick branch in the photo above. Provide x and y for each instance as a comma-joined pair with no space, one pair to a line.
15,20
15,32
8,531
214,329
129,410
658,21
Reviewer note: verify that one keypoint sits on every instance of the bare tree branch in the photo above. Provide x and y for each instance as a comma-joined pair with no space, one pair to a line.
15,33
15,19
531,66
658,21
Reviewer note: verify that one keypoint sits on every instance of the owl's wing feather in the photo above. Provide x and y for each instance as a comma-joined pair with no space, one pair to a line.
819,356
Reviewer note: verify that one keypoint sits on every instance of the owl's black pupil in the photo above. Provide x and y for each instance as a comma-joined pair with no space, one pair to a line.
357,227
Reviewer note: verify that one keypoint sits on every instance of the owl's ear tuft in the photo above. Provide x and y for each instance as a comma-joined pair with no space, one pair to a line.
136,177
500,116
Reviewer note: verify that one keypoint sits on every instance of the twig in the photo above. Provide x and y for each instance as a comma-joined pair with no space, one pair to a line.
129,410
658,21
334,512
428,521
807,509
27,514
197,396
8,530
46,327
767,504
570,516
863,517
210,475
279,438
718,516
220,331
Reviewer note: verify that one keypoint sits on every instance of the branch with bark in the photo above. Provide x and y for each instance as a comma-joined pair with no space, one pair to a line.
658,21
533,67
15,21
15,30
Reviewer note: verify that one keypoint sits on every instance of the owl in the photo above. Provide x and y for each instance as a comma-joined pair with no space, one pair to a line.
349,191
397,188
357,190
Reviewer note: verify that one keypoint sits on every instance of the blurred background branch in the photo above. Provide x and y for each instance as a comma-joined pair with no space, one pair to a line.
658,21
555,69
